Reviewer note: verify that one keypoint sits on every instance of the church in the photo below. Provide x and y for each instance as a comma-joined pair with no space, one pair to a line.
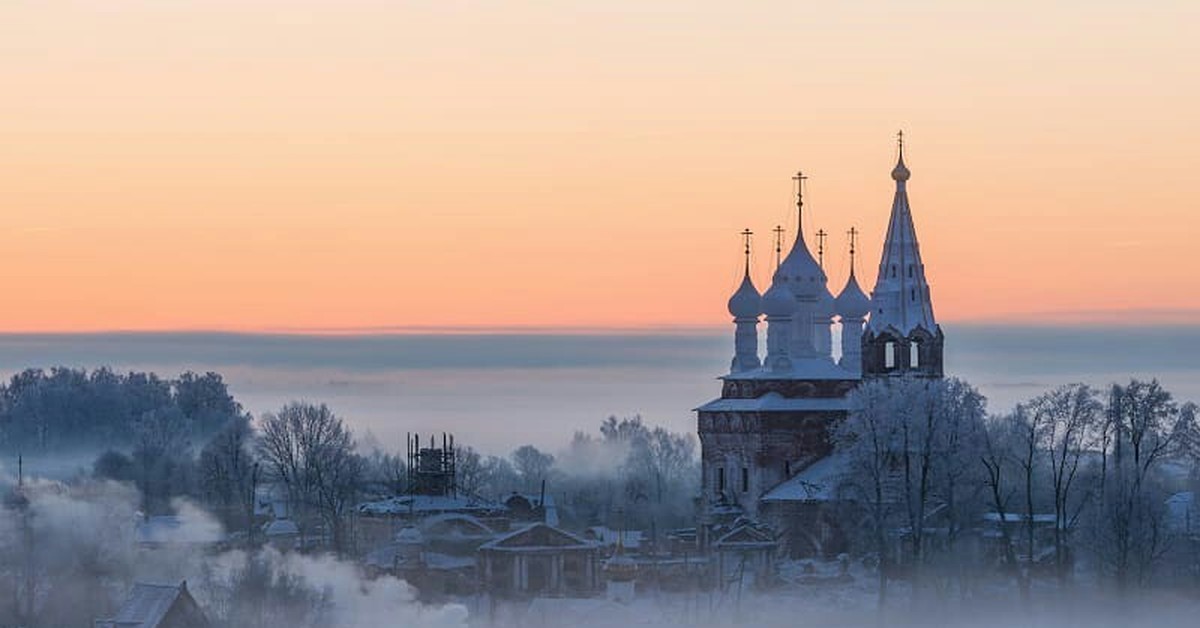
765,446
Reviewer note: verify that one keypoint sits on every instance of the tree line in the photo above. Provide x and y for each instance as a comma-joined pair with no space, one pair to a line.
64,408
188,437
1092,469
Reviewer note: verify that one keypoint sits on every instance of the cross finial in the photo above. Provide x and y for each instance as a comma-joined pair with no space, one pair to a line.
853,233
778,244
821,235
900,142
799,179
746,233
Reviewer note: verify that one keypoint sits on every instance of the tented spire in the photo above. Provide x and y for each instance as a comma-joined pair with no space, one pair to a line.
901,296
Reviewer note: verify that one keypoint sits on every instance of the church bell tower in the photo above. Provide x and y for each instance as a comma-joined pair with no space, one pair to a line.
901,337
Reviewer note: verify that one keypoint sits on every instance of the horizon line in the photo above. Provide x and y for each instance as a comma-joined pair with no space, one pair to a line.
1056,319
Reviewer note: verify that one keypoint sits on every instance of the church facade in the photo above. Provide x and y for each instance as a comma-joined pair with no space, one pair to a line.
765,442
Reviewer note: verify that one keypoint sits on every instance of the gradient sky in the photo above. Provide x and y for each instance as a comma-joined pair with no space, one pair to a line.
351,164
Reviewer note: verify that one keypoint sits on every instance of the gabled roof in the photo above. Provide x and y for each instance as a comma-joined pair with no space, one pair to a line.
745,536
454,524
148,605
537,537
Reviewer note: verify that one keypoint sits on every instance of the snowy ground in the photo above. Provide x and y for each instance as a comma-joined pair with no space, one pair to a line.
813,595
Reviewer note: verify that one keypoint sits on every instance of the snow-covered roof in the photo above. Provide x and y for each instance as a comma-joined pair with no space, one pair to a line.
745,536
775,402
457,525
148,604
817,482
174,530
1012,517
280,527
803,368
428,504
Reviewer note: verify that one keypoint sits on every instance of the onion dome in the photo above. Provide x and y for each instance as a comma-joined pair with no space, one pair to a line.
900,172
801,272
853,302
778,302
746,302
826,305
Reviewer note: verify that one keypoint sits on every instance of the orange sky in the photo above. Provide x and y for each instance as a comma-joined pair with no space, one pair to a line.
343,164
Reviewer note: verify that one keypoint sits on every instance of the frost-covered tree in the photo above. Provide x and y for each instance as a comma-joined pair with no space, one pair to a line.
1143,430
497,477
468,464
1070,417
310,451
913,445
532,465
228,473
163,458
999,459
385,472
870,440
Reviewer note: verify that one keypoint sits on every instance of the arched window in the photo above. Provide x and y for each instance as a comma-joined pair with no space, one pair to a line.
893,270
889,355
720,479
914,352
745,480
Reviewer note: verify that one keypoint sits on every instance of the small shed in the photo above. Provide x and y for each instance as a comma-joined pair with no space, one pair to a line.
745,554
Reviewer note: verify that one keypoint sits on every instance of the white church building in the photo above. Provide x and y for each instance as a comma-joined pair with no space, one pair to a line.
765,444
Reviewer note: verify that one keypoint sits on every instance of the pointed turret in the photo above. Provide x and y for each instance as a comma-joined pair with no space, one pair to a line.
745,306
901,295
902,334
